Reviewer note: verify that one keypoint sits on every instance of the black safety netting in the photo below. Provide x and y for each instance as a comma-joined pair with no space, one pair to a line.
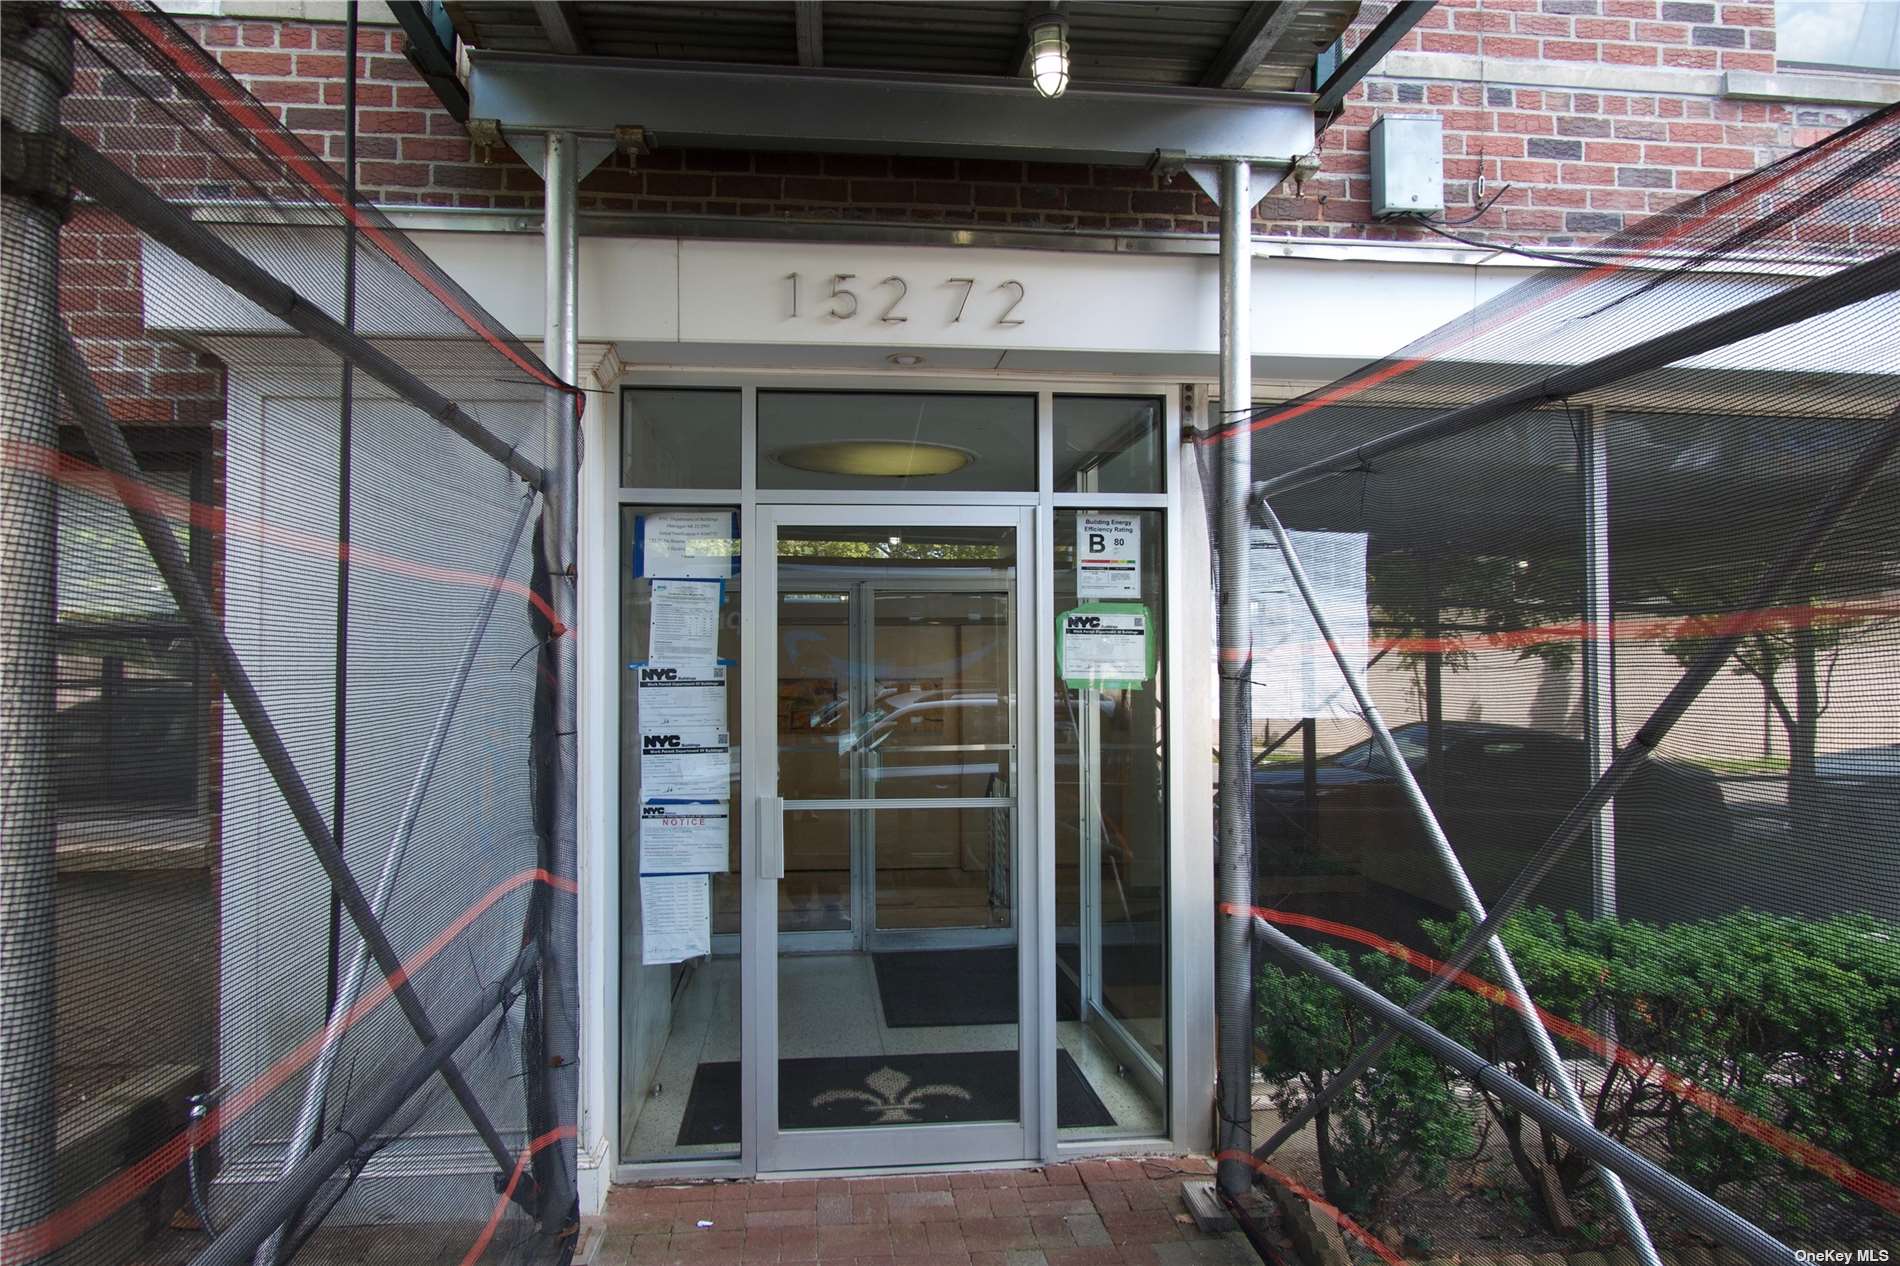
1651,438
350,658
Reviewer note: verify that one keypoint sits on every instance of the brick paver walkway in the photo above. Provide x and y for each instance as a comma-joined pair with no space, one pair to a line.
1089,1213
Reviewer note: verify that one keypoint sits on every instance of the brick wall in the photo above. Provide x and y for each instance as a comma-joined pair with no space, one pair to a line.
145,380
1578,162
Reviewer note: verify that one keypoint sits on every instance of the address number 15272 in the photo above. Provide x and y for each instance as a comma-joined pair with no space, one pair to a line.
843,296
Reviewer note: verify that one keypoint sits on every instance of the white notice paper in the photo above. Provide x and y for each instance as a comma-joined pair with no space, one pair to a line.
675,918
674,698
684,543
683,836
1294,673
1107,556
684,764
1104,648
685,625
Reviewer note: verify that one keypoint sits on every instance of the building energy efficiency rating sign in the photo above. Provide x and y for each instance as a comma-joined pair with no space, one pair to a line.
1107,556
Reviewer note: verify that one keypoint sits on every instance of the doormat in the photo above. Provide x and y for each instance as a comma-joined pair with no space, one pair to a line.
818,1094
930,988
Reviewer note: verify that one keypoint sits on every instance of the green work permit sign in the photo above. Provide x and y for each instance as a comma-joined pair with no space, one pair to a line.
1106,645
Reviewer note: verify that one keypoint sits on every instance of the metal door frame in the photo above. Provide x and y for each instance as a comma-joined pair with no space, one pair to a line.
878,1146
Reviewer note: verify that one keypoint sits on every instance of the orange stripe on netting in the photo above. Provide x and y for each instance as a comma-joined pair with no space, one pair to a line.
262,124
480,1245
1741,192
1821,1161
66,1224
77,473
1346,1224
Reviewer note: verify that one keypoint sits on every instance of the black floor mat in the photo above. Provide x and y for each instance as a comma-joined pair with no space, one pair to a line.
925,988
816,1094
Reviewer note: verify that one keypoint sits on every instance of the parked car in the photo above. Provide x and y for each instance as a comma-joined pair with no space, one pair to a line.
1499,792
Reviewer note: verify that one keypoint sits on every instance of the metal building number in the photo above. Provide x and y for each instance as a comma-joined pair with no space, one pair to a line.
838,299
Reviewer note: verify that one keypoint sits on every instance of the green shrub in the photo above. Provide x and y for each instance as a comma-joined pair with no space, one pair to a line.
1401,1115
1795,1021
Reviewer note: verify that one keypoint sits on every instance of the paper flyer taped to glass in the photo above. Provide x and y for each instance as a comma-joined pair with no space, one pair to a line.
1294,672
684,544
684,836
675,698
685,764
683,631
675,918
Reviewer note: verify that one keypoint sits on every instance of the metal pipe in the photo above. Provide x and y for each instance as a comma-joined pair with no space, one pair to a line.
161,221
1233,959
115,457
340,694
1692,1206
309,1115
560,986
1789,307
290,1193
34,74
1599,657
1539,1037
1628,761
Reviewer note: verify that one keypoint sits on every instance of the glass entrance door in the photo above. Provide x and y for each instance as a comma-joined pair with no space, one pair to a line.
893,838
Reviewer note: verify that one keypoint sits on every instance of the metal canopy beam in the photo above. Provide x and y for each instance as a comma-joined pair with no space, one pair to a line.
811,32
1252,38
564,35
747,107
1391,29
432,54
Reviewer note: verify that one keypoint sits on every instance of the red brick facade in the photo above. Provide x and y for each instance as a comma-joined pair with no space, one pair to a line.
1578,161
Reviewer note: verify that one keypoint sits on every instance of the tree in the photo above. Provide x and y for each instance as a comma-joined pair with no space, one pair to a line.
1791,652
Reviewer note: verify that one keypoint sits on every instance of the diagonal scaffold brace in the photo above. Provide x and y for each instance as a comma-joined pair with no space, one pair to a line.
109,446
237,1242
1770,590
1534,1030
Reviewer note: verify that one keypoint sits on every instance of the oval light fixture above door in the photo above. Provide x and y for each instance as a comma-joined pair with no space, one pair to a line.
879,459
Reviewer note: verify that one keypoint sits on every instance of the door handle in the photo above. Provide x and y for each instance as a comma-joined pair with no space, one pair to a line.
771,837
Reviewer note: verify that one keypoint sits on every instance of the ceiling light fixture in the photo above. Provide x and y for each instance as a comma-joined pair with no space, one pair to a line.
876,459
1049,54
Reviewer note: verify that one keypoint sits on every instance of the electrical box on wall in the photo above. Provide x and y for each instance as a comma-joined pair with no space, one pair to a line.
1408,164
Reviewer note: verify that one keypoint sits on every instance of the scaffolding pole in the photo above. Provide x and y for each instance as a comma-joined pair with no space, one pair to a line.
1629,759
36,71
109,446
1233,959
1534,1030
1599,653
560,987
1695,1208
